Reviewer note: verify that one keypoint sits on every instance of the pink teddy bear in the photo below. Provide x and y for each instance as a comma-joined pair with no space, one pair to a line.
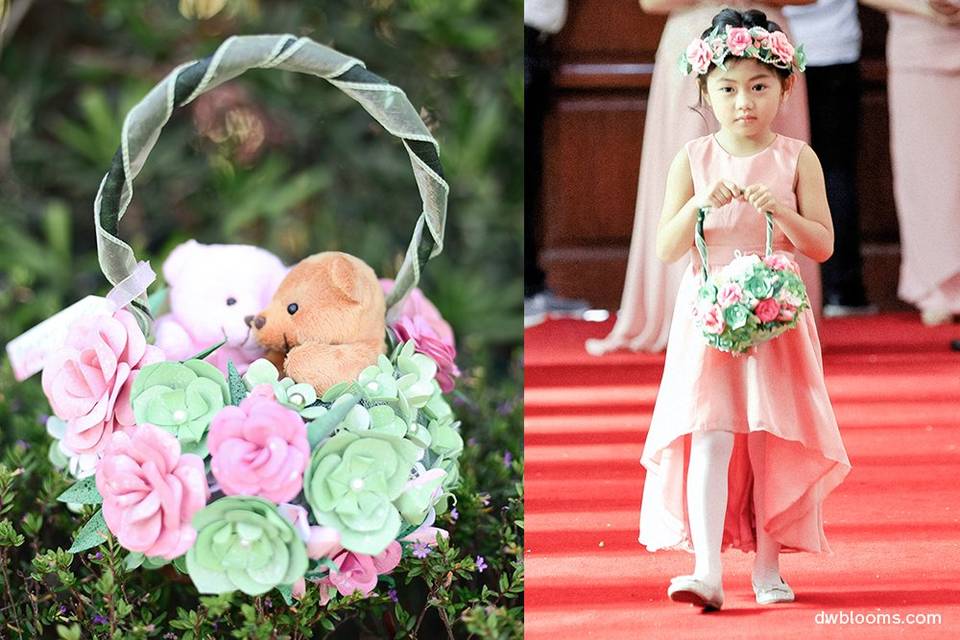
212,290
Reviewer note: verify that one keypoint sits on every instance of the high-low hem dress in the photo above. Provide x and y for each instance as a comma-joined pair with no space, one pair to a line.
777,389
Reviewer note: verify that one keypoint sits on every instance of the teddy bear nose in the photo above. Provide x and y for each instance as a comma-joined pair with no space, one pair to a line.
255,321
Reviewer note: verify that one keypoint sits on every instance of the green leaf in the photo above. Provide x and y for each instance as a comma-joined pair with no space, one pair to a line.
238,391
92,534
82,492
325,424
286,591
204,354
68,633
133,561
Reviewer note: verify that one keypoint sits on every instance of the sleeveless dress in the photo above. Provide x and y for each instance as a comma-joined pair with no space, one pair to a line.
647,301
777,389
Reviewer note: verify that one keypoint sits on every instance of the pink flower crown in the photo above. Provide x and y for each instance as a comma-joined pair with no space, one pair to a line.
767,47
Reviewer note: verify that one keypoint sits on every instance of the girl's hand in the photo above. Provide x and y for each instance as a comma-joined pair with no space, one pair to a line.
719,194
760,197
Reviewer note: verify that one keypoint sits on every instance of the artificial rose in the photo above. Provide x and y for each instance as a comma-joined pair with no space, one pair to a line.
736,316
259,449
713,320
416,304
767,310
244,543
351,483
729,294
429,343
320,541
781,47
778,262
88,381
182,398
151,491
787,313
761,37
699,55
738,40
358,571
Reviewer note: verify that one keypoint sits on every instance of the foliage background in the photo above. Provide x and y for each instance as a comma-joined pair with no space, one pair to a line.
287,162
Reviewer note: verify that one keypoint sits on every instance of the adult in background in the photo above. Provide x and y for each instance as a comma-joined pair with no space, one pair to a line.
830,32
923,90
541,19
650,287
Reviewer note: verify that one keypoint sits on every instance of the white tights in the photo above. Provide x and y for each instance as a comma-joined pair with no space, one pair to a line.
707,505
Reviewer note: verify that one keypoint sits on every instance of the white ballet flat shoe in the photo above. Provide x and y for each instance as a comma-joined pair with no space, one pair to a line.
696,592
773,593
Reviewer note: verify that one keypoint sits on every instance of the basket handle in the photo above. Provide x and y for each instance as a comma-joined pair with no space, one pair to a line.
385,102
702,243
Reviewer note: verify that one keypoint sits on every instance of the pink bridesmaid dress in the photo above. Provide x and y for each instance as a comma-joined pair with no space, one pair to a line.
778,389
924,90
650,285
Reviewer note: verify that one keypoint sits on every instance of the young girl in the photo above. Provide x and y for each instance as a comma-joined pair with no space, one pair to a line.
764,449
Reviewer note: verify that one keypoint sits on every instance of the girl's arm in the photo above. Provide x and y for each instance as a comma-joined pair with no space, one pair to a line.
680,206
811,229
666,6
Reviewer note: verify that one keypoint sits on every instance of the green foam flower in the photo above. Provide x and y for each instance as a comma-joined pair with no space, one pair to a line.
379,382
759,287
244,543
446,440
181,398
736,315
351,484
293,395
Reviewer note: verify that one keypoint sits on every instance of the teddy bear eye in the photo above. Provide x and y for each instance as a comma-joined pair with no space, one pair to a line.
292,308
231,302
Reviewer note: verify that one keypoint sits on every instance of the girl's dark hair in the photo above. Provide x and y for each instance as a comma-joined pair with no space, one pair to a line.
746,19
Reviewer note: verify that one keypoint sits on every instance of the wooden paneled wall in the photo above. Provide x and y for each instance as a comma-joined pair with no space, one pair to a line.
593,134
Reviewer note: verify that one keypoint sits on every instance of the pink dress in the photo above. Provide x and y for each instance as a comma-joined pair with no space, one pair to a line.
649,287
778,389
923,90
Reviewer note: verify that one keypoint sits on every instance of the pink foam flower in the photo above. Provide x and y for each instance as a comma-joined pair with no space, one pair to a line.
780,46
731,293
761,37
778,262
417,304
699,55
738,40
259,449
151,491
88,381
767,310
427,341
787,313
357,571
320,541
713,320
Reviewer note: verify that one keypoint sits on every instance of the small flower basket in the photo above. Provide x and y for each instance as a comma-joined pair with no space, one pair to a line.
252,482
749,301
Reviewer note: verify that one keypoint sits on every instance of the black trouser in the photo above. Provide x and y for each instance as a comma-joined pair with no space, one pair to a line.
834,95
536,84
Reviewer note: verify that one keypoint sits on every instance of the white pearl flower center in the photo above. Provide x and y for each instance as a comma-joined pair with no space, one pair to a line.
179,415
356,484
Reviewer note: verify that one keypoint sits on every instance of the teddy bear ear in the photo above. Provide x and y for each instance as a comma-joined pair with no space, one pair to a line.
176,263
342,277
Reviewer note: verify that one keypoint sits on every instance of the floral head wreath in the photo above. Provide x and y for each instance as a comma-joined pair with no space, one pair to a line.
767,47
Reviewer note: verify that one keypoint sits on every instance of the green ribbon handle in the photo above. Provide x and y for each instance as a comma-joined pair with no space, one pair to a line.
701,242
387,104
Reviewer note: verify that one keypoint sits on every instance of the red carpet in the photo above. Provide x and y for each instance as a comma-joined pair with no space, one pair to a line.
894,524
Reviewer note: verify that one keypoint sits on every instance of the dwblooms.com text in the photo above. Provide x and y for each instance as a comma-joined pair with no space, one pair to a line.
852,617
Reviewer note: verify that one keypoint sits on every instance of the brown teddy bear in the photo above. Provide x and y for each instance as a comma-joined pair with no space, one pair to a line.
326,322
